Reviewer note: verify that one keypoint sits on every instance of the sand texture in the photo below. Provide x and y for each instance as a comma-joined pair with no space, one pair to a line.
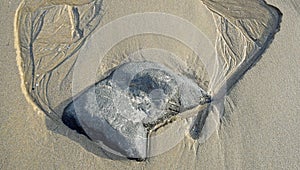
246,60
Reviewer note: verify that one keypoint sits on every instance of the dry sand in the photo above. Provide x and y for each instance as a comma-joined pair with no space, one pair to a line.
260,133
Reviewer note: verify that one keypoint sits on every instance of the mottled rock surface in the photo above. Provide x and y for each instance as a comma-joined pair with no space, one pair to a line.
122,109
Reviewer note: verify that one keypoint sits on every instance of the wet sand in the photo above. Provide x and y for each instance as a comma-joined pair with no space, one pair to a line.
260,133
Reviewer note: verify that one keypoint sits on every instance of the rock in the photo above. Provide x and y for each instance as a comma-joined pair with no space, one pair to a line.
120,111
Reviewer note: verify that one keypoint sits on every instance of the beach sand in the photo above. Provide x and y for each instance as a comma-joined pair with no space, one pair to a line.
261,131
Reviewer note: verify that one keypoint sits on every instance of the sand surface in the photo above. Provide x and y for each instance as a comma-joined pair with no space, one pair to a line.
261,131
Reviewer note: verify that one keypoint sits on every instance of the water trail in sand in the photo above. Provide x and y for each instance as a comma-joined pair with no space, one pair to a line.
50,34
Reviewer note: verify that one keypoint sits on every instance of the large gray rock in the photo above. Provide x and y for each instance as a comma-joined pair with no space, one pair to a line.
120,111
